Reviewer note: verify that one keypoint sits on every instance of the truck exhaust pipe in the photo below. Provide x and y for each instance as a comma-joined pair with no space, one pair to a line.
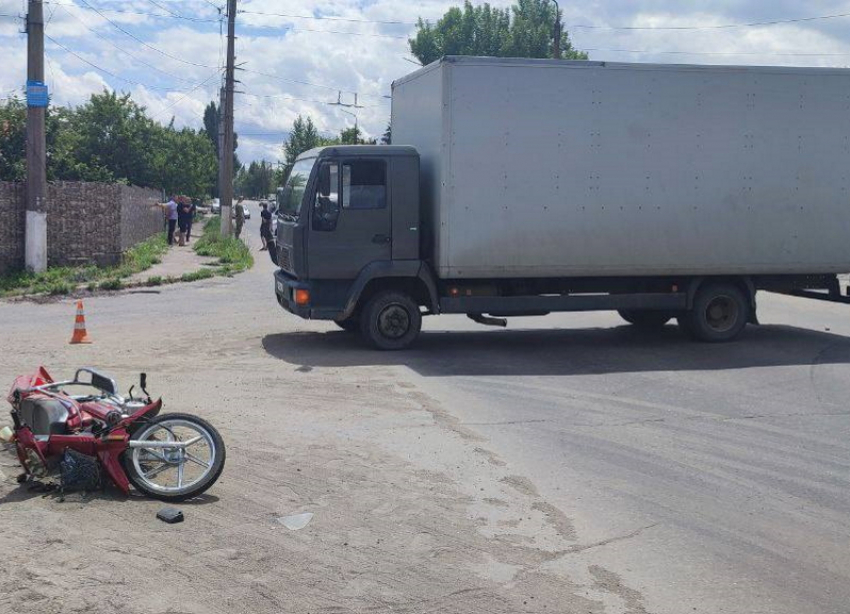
487,320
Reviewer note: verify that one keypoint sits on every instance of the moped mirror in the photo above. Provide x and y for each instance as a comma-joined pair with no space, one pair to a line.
143,381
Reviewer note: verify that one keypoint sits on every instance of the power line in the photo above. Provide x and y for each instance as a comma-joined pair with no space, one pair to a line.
186,95
124,51
129,12
752,24
139,40
103,70
308,83
753,53
167,10
330,18
313,100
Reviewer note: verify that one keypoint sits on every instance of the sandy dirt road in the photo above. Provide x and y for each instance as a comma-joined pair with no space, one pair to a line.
412,511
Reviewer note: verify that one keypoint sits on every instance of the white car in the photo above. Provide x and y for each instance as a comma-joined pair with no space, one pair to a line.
215,206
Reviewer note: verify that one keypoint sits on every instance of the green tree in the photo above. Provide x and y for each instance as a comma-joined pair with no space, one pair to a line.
212,115
304,136
387,137
354,136
524,30
13,139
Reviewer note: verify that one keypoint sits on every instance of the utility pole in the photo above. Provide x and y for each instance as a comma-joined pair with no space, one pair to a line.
226,192
35,237
220,143
556,51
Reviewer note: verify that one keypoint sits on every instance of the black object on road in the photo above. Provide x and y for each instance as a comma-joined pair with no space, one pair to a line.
171,515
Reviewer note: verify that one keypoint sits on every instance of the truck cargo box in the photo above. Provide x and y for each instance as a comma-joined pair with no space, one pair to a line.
542,168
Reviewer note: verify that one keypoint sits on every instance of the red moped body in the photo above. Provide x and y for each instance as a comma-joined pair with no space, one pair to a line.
91,428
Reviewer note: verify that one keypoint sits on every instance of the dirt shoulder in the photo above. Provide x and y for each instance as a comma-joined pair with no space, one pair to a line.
412,512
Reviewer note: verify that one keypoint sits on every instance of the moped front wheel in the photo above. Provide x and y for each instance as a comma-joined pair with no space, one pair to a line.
174,457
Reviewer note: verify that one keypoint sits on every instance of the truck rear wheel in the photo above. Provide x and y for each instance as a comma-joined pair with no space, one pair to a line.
646,319
390,321
720,313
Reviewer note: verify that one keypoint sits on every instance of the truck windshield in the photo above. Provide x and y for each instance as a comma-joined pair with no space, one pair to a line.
291,194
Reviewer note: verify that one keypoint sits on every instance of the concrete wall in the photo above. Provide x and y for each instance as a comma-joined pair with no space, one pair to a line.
86,222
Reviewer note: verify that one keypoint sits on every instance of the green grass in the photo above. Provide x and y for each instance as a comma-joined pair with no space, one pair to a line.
232,254
113,283
198,275
64,280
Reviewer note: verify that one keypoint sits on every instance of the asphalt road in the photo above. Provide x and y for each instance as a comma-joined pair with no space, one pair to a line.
711,478
674,477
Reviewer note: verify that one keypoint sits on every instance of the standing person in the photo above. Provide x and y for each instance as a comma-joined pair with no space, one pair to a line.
193,209
265,226
240,217
170,209
183,219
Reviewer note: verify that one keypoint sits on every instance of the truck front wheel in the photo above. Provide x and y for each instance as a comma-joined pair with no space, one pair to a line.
390,320
720,313
645,319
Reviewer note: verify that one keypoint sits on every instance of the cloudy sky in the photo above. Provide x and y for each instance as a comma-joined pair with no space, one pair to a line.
300,55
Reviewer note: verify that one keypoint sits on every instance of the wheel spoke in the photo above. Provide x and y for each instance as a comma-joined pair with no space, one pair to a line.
180,473
197,461
157,471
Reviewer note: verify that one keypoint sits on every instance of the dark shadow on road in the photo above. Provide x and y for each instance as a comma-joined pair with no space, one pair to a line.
565,351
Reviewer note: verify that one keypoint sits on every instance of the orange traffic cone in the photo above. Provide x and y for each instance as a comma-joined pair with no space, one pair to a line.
80,335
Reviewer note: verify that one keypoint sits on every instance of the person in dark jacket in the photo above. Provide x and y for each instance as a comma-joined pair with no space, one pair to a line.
265,226
184,216
193,209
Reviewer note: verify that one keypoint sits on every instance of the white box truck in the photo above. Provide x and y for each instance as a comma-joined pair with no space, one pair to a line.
524,187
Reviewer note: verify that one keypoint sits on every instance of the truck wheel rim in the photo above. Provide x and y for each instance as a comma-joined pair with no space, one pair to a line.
394,321
721,314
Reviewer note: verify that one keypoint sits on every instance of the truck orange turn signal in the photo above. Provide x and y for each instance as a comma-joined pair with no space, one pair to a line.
302,297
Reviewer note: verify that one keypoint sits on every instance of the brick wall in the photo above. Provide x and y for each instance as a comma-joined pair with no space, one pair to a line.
86,222
12,222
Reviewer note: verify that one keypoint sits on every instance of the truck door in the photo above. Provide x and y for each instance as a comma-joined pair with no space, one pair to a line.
351,222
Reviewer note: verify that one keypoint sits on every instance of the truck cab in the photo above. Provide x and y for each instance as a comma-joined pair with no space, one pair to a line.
349,244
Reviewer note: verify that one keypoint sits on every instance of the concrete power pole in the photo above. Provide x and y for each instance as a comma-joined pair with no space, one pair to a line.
220,144
35,241
226,192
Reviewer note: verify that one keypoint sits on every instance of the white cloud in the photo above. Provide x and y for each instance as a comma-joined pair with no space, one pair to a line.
314,58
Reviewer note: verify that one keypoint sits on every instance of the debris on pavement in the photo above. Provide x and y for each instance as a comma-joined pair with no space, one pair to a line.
296,522
171,515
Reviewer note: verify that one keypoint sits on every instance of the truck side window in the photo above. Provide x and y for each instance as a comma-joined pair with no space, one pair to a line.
326,206
364,184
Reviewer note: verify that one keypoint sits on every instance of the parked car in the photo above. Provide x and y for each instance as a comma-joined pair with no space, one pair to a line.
215,206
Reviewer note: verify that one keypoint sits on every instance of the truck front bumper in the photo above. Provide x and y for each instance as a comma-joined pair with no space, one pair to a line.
285,287
326,299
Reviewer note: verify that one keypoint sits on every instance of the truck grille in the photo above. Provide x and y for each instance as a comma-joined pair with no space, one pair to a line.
285,260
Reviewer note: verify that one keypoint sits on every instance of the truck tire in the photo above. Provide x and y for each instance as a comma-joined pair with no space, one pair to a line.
390,320
720,313
645,319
